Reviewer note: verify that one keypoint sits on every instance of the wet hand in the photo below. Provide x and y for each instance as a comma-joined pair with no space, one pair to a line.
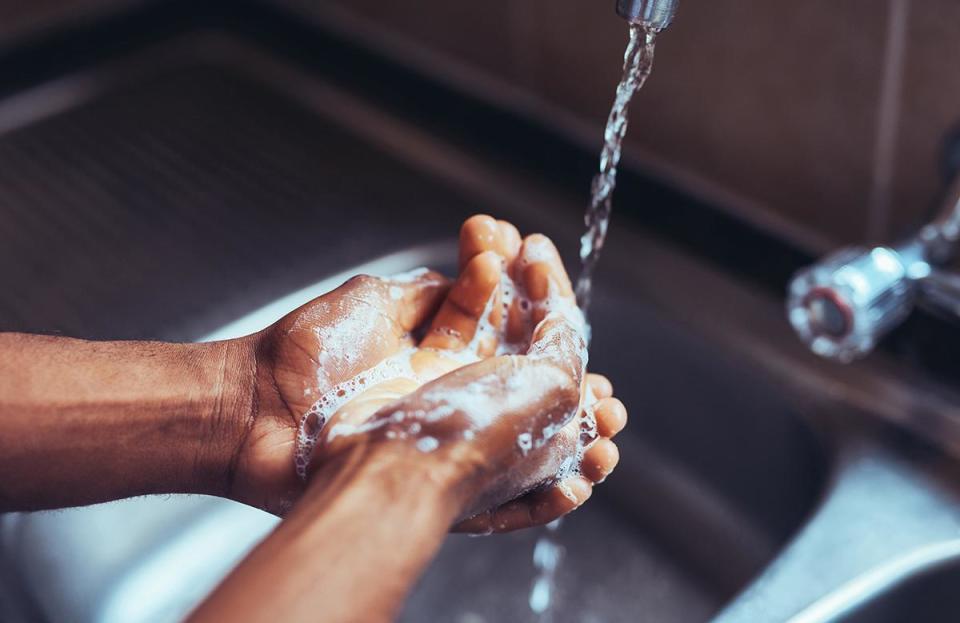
494,395
304,356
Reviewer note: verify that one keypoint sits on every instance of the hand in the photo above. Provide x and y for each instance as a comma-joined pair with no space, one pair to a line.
318,357
304,356
504,425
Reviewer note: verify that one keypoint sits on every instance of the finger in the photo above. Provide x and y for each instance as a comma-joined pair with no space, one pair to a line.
560,499
600,386
413,299
542,507
559,341
456,324
481,233
510,241
478,524
365,320
511,516
599,460
541,268
611,417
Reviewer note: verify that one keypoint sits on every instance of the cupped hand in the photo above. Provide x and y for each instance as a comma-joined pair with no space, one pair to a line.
495,392
307,354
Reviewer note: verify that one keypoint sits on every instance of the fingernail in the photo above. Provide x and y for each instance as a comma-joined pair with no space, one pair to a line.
577,488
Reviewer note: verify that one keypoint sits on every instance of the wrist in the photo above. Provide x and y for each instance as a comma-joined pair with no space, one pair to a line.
230,367
392,470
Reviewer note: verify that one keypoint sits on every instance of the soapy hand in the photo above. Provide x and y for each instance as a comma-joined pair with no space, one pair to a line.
495,391
306,355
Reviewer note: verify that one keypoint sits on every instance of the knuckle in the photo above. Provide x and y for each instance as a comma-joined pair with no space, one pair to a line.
365,285
362,281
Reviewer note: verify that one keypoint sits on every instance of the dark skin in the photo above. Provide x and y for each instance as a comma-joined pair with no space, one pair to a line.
84,422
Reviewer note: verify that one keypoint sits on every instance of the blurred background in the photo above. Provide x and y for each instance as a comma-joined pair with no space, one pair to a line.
191,170
820,121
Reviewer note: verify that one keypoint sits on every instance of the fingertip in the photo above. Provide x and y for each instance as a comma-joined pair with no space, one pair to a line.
542,266
600,386
611,415
477,234
458,319
578,489
536,280
550,504
560,499
484,267
600,460
510,240
478,282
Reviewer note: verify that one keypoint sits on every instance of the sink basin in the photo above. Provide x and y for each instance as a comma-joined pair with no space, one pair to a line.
211,216
929,594
716,473
674,541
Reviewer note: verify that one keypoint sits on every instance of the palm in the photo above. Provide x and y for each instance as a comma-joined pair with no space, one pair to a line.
315,355
308,353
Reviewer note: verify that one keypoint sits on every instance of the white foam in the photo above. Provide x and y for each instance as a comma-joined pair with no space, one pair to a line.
316,418
562,334
465,400
525,443
341,341
410,276
427,444
485,328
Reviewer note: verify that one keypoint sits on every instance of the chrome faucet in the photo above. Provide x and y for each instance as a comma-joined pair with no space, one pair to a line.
653,14
843,305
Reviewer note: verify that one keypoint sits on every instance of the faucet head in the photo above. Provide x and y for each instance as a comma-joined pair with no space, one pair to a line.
654,14
843,305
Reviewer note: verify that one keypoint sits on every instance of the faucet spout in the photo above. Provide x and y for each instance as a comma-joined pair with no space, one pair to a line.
653,14
845,303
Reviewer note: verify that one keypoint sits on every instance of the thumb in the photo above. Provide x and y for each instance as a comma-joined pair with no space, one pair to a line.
414,297
559,339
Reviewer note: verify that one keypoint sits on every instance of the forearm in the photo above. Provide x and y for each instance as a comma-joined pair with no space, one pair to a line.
350,550
84,422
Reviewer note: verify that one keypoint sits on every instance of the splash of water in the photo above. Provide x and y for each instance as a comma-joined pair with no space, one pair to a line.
547,554
637,65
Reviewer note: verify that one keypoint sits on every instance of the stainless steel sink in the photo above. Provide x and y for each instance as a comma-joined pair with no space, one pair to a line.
929,594
690,492
211,215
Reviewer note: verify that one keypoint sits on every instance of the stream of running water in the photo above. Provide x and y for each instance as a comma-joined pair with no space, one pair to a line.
637,65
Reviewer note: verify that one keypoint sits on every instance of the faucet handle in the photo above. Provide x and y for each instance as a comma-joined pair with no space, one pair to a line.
843,305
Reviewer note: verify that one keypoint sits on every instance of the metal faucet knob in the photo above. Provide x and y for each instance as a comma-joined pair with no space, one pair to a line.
843,305
655,14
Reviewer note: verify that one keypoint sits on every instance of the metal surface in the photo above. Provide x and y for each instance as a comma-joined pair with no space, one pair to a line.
843,305
654,14
858,544
930,595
